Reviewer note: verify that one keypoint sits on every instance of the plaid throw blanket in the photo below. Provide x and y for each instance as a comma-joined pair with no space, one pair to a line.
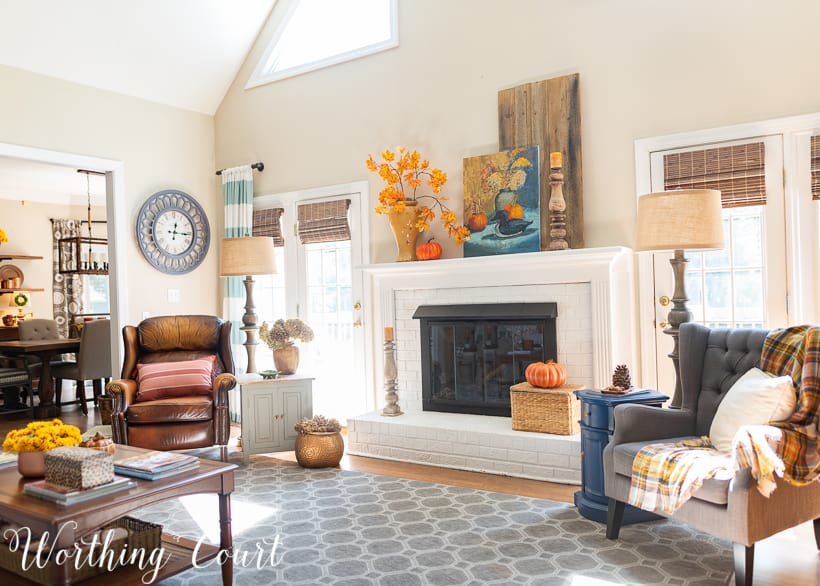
665,475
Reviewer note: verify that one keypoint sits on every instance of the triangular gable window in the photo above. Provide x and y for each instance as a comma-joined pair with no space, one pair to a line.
318,33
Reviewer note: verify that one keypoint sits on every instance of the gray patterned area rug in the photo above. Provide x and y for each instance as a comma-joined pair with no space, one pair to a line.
337,527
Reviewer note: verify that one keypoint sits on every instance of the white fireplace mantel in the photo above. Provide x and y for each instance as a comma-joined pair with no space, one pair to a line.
608,273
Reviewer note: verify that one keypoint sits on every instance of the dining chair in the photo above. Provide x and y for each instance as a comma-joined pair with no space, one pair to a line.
16,379
37,329
93,363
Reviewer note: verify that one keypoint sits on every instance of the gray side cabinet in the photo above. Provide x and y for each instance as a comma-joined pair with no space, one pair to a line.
270,408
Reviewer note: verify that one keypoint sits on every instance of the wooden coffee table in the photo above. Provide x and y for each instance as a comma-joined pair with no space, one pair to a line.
41,515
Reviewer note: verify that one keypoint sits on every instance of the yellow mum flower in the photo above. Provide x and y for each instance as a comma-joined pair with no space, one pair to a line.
40,436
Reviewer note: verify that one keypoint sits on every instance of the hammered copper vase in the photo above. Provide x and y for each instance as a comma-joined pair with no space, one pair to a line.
31,464
319,449
405,231
286,359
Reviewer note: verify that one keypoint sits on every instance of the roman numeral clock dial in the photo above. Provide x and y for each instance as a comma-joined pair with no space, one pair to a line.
173,232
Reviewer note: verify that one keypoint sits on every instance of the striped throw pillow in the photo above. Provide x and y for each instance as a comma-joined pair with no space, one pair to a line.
165,380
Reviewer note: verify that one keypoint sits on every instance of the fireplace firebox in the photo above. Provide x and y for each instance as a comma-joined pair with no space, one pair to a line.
472,354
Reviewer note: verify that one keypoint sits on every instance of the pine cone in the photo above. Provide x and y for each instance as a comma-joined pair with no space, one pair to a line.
621,377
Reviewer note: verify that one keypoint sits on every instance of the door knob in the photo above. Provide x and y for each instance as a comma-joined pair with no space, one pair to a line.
664,300
664,324
357,323
357,306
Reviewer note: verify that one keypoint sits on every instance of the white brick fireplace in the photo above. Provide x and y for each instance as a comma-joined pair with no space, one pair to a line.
593,288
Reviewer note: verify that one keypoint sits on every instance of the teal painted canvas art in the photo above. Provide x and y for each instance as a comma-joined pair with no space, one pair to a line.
501,202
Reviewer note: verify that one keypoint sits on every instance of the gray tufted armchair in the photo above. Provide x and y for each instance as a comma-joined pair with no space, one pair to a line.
710,362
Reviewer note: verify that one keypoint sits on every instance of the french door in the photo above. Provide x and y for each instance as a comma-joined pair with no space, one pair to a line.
321,284
743,285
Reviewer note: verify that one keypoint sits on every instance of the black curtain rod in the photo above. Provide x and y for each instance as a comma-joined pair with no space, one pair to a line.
260,166
89,172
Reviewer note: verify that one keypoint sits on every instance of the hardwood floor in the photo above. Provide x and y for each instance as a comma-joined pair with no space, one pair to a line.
789,558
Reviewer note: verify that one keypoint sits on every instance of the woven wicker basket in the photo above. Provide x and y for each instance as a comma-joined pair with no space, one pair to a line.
545,410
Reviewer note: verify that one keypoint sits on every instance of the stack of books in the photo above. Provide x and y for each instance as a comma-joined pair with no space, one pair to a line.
70,496
156,465
7,459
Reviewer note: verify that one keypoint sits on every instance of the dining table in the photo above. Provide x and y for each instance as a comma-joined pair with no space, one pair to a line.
45,350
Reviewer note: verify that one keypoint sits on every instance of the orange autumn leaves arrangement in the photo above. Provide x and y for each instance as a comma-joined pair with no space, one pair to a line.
405,172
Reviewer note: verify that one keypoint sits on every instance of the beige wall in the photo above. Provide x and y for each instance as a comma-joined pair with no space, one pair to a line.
161,148
647,68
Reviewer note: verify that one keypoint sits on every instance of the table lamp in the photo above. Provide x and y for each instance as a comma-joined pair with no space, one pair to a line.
248,256
685,219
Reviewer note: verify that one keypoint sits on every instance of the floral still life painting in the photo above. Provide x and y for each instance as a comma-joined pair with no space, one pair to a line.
501,202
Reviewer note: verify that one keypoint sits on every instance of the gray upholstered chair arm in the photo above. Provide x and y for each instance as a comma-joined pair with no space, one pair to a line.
637,423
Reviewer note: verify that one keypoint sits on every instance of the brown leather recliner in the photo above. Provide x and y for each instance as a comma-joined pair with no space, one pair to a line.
174,423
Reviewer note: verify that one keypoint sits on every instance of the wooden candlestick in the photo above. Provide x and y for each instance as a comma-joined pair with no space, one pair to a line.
557,206
391,409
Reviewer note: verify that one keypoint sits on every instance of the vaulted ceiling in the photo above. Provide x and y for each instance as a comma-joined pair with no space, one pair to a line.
183,53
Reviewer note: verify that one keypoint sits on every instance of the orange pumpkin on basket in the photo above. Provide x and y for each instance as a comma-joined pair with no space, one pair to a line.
429,250
546,374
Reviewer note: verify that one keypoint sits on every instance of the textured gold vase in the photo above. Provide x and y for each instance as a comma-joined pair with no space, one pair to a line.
405,231
31,464
320,449
286,359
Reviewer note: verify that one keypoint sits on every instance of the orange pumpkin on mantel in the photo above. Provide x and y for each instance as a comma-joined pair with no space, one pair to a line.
546,375
429,250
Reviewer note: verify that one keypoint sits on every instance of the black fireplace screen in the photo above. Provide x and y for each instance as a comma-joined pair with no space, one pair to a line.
472,354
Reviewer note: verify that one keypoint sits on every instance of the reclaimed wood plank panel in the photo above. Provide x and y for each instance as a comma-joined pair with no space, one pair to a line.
547,113
522,116
506,104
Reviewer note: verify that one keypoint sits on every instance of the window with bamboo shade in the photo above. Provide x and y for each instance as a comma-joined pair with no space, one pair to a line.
737,171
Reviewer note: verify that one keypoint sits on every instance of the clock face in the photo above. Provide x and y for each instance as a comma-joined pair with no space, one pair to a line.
173,232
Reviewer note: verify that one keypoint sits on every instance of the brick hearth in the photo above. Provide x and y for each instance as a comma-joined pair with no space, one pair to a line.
595,328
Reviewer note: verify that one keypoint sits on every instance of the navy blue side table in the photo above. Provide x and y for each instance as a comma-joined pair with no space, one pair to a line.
597,426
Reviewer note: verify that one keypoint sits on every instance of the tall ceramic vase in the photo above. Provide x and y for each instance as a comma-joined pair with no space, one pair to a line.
286,359
405,231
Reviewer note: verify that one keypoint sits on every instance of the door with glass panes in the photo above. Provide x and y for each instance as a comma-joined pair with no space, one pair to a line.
744,285
318,281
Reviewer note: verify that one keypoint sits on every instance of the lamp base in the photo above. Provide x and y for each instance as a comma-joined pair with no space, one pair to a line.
249,325
679,314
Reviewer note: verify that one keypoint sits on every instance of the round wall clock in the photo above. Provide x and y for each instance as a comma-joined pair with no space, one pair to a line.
173,232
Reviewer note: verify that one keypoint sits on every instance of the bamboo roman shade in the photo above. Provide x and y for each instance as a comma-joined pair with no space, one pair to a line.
738,172
268,223
815,167
324,221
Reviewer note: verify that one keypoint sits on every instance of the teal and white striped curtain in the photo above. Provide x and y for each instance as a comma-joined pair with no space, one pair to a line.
237,190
